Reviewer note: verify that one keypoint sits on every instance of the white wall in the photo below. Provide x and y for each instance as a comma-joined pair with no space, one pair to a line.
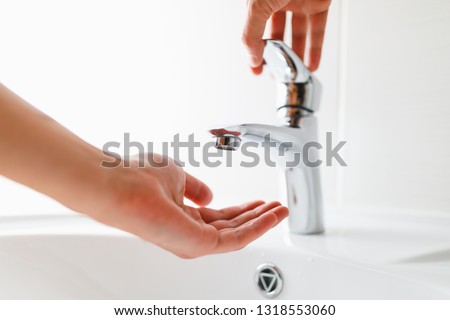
151,68
155,69
396,98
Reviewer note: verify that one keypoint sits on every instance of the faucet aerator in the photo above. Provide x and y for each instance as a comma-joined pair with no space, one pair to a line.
228,142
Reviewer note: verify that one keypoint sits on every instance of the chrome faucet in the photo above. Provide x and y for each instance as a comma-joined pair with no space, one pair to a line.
299,93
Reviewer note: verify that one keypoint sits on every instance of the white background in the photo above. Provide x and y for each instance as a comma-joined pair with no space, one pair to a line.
157,68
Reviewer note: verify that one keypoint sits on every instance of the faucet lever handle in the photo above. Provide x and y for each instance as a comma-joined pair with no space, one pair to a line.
284,64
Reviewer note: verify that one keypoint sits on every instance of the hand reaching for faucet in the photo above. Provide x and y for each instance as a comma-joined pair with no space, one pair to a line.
146,201
308,28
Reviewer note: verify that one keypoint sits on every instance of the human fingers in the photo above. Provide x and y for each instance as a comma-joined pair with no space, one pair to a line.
237,238
316,32
197,191
210,215
258,14
299,31
245,216
277,25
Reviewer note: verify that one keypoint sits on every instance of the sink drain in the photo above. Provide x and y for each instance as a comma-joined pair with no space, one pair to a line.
269,280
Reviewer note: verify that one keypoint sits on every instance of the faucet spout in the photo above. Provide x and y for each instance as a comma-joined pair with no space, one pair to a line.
302,179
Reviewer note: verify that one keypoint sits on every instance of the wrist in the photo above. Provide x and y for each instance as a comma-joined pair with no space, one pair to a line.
92,188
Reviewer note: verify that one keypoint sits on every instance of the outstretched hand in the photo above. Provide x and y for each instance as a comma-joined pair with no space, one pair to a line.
309,19
152,207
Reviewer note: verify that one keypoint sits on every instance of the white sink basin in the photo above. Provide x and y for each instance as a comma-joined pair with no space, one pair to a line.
361,256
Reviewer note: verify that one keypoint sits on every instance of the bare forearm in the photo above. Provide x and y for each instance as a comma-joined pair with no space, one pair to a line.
40,153
146,201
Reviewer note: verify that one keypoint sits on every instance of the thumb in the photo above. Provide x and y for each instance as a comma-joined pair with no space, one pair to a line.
197,191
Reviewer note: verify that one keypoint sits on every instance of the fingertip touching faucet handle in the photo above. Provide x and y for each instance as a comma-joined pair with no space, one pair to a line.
299,90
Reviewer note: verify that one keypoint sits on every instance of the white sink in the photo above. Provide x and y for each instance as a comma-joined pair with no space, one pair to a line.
361,256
